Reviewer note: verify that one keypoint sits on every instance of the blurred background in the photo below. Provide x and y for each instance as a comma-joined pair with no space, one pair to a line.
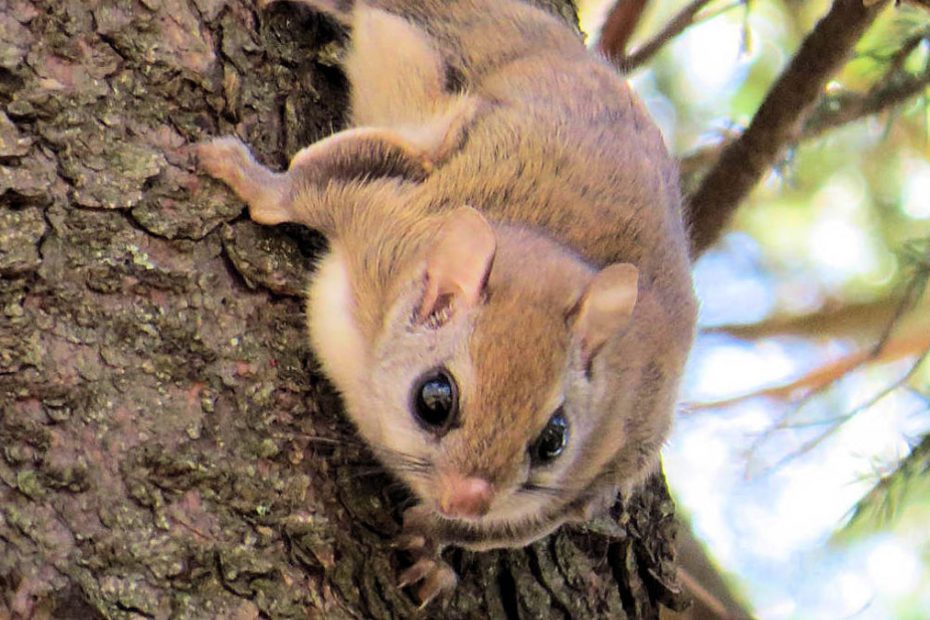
801,458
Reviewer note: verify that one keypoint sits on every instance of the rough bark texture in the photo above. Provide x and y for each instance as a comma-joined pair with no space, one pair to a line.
167,445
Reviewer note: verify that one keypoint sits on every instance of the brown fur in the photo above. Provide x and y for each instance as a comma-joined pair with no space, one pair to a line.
569,175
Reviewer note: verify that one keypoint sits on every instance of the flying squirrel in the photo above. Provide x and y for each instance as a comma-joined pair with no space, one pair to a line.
506,304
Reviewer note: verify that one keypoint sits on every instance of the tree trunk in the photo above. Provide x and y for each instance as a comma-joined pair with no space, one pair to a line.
169,448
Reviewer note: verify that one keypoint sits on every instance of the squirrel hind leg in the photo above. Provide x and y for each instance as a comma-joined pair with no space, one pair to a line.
397,74
399,82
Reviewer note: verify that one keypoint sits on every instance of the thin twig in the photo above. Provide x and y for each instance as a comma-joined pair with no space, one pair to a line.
822,377
819,439
913,291
897,59
677,25
778,120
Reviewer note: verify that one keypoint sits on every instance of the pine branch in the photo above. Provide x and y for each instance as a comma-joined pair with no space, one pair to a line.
905,343
881,503
833,112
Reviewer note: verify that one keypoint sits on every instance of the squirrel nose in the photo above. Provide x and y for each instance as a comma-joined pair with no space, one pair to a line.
464,496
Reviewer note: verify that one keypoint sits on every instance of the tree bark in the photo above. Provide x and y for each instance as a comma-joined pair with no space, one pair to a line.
169,448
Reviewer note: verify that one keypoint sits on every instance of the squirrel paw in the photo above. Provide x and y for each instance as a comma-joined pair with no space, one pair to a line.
429,573
434,577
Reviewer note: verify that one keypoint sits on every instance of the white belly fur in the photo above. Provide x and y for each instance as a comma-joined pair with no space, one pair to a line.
331,320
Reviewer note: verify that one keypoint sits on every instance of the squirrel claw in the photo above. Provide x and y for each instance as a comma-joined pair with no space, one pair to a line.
417,572
409,542
441,580
434,576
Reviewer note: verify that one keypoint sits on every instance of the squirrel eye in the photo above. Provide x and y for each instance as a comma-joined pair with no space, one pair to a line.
435,401
551,441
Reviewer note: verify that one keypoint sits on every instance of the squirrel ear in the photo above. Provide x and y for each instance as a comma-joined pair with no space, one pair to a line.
458,262
606,307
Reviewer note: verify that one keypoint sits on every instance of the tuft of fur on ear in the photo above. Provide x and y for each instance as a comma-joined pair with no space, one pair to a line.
606,307
458,262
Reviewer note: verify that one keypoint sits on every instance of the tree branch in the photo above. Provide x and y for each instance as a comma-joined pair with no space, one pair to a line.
834,111
908,342
778,121
865,320
825,375
619,26
837,110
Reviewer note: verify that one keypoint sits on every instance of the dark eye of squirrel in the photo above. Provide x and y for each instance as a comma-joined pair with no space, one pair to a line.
435,400
551,441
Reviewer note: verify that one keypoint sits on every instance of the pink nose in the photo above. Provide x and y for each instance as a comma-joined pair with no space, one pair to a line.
464,497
